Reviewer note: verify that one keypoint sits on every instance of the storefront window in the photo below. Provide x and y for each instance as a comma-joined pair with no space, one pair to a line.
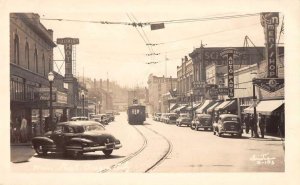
17,86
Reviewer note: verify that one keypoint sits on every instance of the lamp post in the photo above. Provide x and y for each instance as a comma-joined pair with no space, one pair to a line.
99,108
254,109
51,79
82,97
192,104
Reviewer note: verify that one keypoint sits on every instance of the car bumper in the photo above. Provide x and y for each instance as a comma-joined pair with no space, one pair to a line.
229,132
203,126
97,148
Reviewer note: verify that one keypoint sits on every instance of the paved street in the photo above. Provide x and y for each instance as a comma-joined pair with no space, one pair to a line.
179,149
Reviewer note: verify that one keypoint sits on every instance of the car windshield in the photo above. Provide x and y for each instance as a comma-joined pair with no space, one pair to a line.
93,127
85,128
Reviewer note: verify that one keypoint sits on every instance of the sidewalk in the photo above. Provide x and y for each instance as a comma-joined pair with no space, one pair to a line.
266,137
21,152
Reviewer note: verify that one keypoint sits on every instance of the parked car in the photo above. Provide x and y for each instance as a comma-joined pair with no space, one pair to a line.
76,138
156,116
79,118
202,121
110,116
164,117
102,118
228,124
172,117
184,119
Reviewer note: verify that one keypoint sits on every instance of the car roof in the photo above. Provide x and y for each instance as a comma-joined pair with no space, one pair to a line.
79,123
203,115
228,115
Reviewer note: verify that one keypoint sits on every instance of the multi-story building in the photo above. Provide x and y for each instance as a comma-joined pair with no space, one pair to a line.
157,87
185,77
210,67
31,59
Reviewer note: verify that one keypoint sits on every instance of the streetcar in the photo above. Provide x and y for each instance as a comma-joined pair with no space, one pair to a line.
136,114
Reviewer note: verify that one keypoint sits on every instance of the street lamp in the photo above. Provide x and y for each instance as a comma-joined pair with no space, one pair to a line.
82,97
254,107
99,107
51,79
192,104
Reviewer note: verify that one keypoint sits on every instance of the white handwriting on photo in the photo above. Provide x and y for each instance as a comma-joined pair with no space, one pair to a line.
263,159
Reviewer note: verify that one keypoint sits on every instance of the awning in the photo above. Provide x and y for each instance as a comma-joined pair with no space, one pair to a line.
231,106
180,108
222,105
265,107
211,108
195,106
204,106
174,106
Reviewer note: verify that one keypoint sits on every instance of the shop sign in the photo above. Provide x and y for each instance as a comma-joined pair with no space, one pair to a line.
269,84
270,21
62,97
230,54
45,96
198,84
223,90
68,43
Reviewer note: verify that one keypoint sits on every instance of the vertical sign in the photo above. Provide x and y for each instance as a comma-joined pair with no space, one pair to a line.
68,43
230,75
270,21
230,54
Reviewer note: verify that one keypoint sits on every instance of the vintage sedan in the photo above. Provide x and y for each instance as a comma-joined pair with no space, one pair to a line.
76,138
228,124
202,121
184,119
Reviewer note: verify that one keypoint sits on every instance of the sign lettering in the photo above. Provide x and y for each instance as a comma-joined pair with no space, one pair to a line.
270,20
230,54
68,43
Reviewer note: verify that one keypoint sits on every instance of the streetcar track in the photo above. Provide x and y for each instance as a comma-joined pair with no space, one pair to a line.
167,153
132,155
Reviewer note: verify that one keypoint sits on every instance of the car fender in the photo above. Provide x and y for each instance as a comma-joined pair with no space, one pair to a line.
77,140
42,141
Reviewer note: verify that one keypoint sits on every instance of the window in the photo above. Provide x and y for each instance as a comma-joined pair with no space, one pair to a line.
58,129
36,61
17,88
16,50
27,54
44,64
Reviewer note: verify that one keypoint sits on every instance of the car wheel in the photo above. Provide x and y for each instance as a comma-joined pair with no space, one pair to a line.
107,152
40,151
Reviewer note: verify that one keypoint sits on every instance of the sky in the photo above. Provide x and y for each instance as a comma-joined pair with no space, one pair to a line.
119,53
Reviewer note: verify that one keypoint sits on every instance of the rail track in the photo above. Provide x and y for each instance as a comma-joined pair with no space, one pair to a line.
136,153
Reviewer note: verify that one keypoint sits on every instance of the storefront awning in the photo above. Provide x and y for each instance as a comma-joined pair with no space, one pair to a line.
231,107
212,108
222,105
180,108
204,106
174,106
195,106
265,107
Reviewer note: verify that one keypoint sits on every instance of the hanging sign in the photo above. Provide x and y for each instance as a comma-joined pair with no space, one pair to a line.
270,21
269,84
230,54
68,43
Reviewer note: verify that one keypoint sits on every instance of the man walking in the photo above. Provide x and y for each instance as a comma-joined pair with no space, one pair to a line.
246,120
24,129
251,125
261,124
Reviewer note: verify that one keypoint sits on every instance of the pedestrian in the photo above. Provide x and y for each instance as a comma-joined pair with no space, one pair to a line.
24,129
251,125
261,124
246,120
